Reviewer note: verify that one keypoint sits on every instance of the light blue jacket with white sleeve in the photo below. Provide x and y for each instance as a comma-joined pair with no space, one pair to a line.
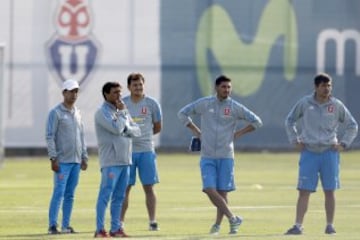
316,124
65,135
114,130
219,120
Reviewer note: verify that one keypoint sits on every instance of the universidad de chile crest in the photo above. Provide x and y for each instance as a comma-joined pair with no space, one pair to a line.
72,52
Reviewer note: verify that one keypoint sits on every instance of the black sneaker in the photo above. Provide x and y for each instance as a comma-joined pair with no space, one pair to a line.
154,227
53,230
330,229
295,230
68,230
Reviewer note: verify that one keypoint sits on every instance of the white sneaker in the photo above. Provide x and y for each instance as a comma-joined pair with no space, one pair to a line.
215,229
67,230
235,224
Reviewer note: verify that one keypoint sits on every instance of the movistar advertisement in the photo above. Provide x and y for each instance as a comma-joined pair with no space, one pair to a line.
271,49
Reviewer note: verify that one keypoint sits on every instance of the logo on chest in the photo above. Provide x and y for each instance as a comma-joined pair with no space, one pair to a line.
330,108
144,110
227,111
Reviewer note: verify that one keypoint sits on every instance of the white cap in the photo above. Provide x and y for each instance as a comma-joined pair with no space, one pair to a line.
70,84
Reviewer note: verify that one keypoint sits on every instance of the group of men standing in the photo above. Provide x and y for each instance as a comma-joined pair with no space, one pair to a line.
125,128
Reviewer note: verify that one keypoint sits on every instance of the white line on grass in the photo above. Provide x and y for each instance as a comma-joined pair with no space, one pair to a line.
26,209
254,207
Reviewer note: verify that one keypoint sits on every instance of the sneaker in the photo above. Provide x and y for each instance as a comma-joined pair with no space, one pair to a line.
154,227
68,230
119,234
122,225
101,234
215,229
235,224
53,230
330,229
295,230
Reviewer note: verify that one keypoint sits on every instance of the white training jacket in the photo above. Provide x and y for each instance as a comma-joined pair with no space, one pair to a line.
65,135
316,125
114,130
219,120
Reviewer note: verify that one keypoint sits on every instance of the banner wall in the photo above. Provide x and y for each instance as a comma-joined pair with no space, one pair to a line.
271,49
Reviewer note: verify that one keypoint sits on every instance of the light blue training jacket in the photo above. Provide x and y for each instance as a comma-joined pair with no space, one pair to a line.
114,130
219,120
316,125
65,135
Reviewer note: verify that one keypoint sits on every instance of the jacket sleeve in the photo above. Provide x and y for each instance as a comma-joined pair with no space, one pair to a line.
350,126
290,122
249,116
84,153
189,110
131,129
114,123
51,131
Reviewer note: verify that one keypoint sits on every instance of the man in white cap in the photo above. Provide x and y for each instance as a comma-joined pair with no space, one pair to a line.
68,154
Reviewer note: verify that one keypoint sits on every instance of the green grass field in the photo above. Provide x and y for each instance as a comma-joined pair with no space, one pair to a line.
265,198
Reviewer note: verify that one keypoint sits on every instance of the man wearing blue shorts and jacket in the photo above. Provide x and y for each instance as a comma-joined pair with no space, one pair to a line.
146,112
220,115
312,126
114,130
67,152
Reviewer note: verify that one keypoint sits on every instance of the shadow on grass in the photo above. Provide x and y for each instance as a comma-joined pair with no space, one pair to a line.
89,235
81,235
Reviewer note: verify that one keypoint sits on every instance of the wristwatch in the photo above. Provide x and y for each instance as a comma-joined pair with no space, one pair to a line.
52,159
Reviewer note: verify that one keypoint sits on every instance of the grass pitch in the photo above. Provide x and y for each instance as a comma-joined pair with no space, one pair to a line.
265,198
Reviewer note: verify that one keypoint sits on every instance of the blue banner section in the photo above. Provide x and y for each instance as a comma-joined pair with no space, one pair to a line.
271,49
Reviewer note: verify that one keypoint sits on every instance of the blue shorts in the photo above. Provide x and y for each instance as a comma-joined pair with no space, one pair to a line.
145,162
218,173
314,165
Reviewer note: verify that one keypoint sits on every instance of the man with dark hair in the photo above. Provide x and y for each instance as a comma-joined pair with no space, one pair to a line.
220,115
312,126
146,112
114,130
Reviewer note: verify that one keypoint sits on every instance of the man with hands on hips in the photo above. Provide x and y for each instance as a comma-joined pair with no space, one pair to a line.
312,126
220,115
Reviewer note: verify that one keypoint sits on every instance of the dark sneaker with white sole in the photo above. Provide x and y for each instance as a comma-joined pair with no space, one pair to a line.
295,230
53,230
330,229
154,227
